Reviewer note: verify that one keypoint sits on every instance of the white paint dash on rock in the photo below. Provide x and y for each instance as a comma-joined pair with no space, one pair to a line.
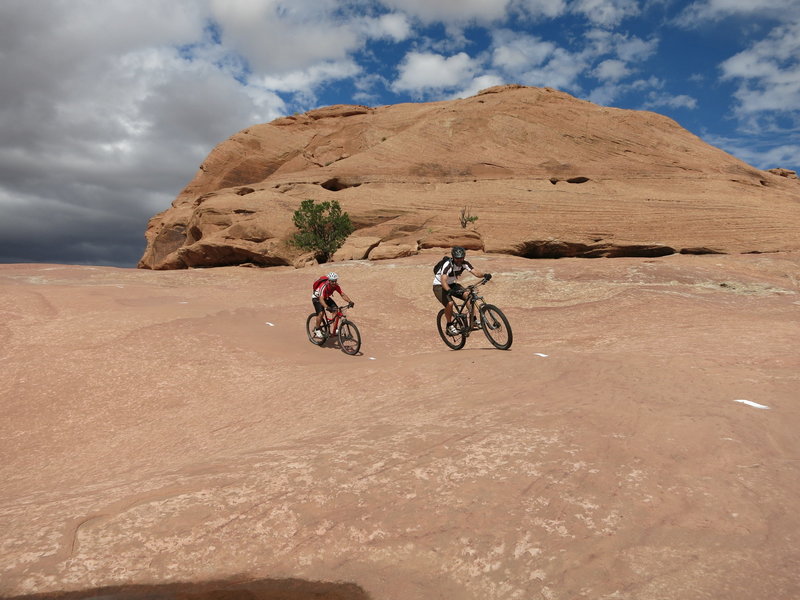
753,404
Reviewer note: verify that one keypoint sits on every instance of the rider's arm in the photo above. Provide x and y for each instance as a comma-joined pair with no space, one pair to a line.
480,274
443,276
343,295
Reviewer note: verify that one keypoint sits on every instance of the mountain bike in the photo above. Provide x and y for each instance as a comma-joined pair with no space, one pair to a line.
489,318
338,325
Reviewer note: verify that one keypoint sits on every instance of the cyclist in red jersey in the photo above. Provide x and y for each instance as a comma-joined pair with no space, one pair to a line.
323,292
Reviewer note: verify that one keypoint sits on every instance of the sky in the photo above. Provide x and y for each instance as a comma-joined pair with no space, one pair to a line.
108,107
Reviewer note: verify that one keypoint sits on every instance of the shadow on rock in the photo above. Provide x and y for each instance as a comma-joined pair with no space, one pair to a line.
265,589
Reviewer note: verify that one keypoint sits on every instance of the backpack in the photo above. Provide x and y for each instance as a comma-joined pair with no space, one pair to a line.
321,281
438,266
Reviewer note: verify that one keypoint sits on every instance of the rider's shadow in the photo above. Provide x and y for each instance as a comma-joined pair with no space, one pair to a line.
264,589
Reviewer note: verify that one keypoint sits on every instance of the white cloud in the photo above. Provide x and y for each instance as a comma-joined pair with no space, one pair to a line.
541,8
561,71
460,11
494,11
367,86
754,152
605,94
479,83
651,82
395,26
610,91
606,55
529,60
515,54
304,81
698,14
421,72
768,72
625,53
635,49
627,48
611,70
769,158
606,13
656,100
276,37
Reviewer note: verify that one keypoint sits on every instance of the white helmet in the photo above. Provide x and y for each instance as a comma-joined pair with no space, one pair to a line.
333,277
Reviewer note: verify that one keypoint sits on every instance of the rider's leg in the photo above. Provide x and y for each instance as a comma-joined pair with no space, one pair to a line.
448,311
472,317
330,306
319,310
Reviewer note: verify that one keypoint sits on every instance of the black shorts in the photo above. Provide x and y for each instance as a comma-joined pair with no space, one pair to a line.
456,290
318,305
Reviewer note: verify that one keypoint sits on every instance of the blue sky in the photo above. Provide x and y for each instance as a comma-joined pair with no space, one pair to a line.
107,107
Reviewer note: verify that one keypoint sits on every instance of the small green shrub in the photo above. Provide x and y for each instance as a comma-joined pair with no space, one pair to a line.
323,228
466,218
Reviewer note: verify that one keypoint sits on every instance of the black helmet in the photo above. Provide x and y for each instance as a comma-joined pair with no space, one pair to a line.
458,252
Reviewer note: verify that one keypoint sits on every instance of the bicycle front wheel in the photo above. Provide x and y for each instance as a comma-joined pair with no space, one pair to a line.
457,341
310,323
496,327
349,338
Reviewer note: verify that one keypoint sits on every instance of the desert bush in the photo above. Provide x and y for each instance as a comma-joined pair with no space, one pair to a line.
465,218
323,228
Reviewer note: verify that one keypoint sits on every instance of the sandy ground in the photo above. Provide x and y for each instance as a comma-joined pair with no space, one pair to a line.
638,441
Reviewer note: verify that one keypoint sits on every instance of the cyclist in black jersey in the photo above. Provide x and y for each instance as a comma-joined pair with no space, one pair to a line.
445,282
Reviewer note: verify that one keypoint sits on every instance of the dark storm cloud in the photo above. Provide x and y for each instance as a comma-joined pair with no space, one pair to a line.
103,121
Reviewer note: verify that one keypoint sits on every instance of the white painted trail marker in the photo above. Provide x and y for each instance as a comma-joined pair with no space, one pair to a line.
753,404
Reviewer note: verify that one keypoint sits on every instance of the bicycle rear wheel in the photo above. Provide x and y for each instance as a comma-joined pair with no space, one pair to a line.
456,342
349,338
496,327
310,323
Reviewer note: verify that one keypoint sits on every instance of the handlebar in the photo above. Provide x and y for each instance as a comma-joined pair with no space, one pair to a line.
483,281
342,307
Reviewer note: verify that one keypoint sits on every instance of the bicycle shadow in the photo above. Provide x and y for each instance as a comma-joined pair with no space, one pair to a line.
332,343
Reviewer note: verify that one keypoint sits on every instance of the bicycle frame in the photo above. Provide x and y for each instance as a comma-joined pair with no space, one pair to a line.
460,308
331,324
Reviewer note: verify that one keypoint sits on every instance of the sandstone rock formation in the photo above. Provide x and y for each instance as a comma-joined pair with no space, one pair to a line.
546,174
784,173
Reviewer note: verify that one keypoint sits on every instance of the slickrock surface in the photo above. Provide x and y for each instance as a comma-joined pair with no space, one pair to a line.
546,174
175,433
